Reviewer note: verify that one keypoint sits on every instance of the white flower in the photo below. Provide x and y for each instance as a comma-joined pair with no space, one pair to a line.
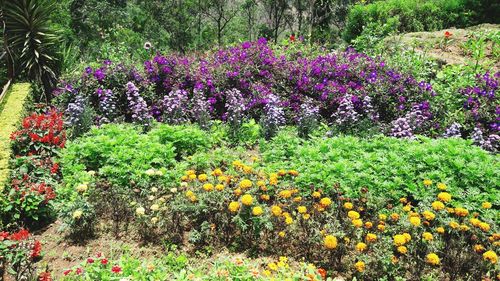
154,189
173,190
151,198
150,172
91,173
82,187
140,211
159,173
77,214
148,45
184,184
154,220
155,207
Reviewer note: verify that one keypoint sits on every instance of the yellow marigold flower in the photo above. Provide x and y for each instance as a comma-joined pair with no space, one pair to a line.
273,181
403,200
407,208
245,184
217,172
82,187
285,193
203,177
208,187
361,247
281,172
193,198
247,169
495,236
444,196
427,182
394,260
353,215
371,237
237,163
265,197
474,222
450,210
219,187
247,199
395,216
484,226
486,205
293,173
257,211
368,224
234,206
288,220
437,205
223,179
428,215
189,193
297,199
237,192
432,258
283,259
478,248
360,266
347,240
407,237
464,227
190,172
184,178
357,223
330,242
427,236
316,194
348,206
306,216
266,273
381,227
461,212
490,256
155,207
415,221
261,183
192,177
276,210
302,209
454,224
272,266
325,202
382,217
402,250
281,234
440,230
441,186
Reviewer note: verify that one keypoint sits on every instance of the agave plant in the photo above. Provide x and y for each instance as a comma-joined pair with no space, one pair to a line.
31,41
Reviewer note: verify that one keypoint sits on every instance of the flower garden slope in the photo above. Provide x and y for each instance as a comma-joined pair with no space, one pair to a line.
9,116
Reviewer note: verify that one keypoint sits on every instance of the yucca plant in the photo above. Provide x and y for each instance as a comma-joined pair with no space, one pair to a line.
31,41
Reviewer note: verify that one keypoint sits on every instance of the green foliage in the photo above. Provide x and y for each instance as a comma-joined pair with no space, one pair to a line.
416,15
389,166
32,41
186,139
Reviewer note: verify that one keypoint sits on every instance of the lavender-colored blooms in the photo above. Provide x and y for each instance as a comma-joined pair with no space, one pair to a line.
108,106
401,128
137,105
174,110
74,111
454,131
346,114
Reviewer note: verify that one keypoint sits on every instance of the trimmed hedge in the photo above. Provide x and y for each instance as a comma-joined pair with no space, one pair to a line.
10,115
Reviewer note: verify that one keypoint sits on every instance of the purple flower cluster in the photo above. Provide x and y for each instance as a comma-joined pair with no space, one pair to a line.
137,105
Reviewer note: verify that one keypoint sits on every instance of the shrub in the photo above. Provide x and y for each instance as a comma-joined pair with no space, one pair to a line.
387,165
19,251
414,16
186,139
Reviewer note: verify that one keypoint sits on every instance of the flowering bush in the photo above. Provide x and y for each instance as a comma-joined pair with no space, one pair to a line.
251,80
34,172
18,252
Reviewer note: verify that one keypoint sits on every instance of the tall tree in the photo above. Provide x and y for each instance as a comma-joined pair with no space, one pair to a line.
221,12
249,9
275,13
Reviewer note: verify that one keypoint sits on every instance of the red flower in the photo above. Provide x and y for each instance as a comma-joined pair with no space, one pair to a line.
116,269
292,37
322,272
447,34
55,168
90,260
66,272
79,271
44,276
98,254
104,261
37,248
20,235
3,235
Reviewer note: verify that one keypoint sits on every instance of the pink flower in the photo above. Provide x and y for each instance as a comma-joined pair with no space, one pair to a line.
90,260
66,272
104,261
79,271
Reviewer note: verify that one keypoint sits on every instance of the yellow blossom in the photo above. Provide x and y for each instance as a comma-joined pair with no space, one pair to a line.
257,211
484,226
486,205
203,177
306,216
353,215
444,196
247,199
432,258
395,216
293,173
208,187
77,214
217,172
382,217
415,221
265,197
357,223
348,206
276,210
437,205
245,184
371,237
490,256
360,266
219,187
461,212
316,194
302,209
399,240
478,248
407,237
285,193
288,220
407,208
427,182
281,234
272,266
325,202
402,250
368,224
441,186
155,207
361,247
297,199
440,230
428,215
234,206
381,227
330,242
427,236
454,224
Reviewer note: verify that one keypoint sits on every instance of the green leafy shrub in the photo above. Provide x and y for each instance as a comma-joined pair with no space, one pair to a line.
394,167
186,139
416,15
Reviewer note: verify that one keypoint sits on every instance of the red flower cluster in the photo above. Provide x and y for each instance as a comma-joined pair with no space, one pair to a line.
21,237
447,34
